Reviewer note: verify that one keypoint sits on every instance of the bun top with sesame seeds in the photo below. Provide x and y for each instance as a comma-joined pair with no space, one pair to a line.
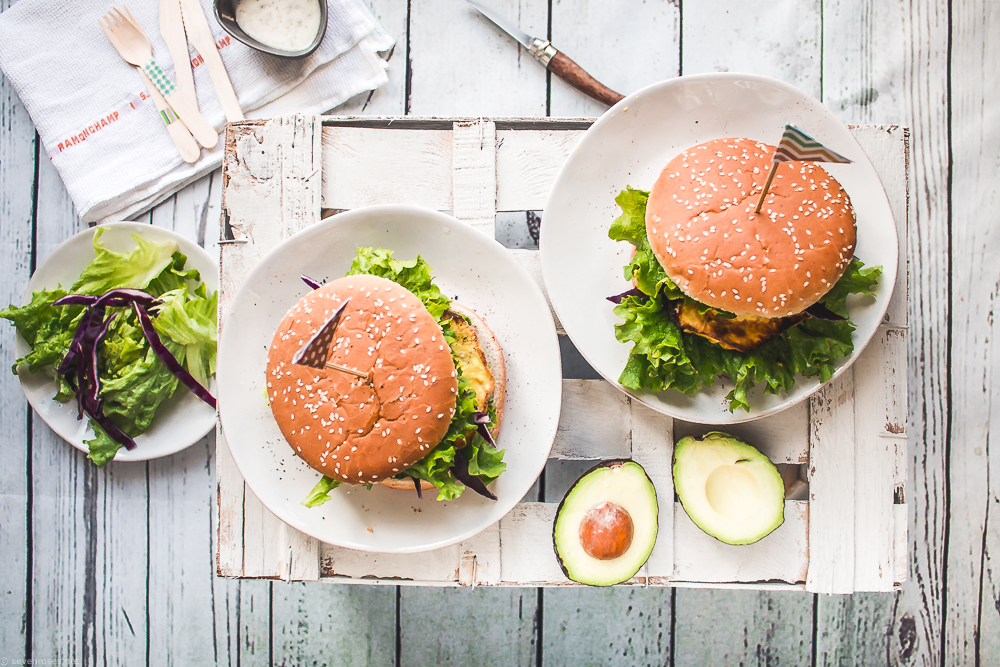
359,430
702,228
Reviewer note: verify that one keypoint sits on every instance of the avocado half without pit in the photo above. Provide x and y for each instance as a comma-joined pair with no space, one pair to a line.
728,488
605,527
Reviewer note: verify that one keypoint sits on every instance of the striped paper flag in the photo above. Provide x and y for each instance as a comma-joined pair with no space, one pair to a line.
797,145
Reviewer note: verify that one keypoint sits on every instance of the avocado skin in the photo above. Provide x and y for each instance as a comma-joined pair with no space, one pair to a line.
688,441
559,510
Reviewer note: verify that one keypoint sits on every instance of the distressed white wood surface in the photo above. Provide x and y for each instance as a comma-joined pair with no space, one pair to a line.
597,420
17,156
881,62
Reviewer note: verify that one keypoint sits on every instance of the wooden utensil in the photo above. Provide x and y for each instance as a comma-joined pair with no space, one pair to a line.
132,44
172,32
200,35
181,135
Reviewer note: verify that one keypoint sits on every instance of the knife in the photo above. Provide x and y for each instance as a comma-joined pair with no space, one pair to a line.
172,32
557,62
200,36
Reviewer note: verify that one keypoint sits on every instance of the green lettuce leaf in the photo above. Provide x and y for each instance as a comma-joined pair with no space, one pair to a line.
135,269
102,447
190,321
664,357
321,492
414,275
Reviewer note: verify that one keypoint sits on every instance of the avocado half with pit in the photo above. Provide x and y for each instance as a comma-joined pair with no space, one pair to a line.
605,527
728,488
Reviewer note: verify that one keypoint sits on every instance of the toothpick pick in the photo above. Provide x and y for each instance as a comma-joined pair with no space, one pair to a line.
763,193
345,369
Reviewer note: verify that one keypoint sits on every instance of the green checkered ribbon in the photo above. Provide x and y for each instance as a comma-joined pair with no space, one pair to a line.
157,76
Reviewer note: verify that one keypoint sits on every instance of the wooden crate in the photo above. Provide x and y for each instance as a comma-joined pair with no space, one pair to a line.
282,175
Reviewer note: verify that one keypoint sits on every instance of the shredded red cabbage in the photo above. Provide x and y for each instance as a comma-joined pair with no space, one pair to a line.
482,420
635,291
461,472
168,359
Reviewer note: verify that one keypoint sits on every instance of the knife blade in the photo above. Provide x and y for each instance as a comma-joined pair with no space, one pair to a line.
554,60
172,32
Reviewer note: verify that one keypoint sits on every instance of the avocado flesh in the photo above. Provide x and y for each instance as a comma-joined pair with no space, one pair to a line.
728,488
623,483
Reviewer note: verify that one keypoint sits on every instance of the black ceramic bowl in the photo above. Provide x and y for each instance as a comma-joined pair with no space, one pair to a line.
225,13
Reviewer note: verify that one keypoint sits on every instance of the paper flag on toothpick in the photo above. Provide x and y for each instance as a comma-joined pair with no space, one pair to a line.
796,145
315,352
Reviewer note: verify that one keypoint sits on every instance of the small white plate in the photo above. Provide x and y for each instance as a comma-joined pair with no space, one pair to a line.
629,146
470,268
180,422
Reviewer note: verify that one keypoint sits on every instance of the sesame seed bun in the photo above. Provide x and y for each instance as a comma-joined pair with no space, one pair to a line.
702,228
492,354
351,429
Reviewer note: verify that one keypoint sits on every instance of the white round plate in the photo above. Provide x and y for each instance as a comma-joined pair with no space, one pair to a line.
629,146
468,267
181,421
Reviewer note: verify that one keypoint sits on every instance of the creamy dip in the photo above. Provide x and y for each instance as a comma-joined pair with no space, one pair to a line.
289,25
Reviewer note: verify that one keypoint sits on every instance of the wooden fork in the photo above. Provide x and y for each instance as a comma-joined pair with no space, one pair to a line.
135,48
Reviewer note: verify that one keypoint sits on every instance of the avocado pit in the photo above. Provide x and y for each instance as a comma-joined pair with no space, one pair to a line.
606,531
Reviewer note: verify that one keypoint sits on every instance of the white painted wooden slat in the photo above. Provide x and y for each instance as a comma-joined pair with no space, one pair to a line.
437,565
831,488
17,157
462,65
783,438
782,555
480,559
595,422
874,464
272,172
366,166
973,594
623,44
527,164
780,38
474,174
527,556
532,262
653,449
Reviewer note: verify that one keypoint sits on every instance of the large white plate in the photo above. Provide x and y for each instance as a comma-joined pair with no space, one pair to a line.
468,267
181,421
629,146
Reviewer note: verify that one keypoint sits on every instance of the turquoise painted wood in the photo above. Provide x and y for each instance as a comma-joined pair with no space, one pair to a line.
116,566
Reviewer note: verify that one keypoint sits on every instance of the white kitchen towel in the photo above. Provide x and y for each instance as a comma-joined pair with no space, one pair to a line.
103,133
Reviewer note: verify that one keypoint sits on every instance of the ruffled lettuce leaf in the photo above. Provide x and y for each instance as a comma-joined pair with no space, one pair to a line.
135,269
190,320
414,275
664,357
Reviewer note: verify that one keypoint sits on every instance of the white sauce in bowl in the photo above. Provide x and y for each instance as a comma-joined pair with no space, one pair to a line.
289,25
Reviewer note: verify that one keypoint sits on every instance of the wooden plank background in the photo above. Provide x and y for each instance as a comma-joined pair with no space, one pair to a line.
116,566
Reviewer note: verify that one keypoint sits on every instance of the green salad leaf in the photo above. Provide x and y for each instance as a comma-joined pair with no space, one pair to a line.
134,382
665,357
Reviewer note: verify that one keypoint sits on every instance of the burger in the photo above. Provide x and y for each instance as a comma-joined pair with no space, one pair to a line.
721,290
416,393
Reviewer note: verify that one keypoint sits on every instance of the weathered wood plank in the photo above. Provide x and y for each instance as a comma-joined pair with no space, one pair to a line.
606,626
464,626
721,627
853,629
476,69
975,360
474,174
389,98
780,39
17,176
88,524
653,440
625,45
783,438
908,83
330,624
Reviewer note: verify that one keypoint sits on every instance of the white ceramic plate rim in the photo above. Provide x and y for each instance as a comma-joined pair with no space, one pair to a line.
162,439
283,496
660,401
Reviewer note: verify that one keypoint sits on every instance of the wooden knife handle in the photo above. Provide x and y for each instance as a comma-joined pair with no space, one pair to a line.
567,70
